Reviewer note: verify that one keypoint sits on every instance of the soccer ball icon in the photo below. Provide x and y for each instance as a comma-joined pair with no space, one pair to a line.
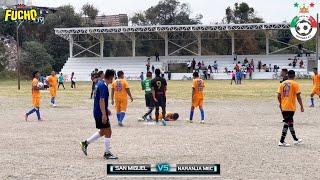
303,27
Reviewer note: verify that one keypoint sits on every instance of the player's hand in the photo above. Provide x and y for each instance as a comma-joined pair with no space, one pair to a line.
280,107
112,102
302,109
155,99
109,113
131,99
104,119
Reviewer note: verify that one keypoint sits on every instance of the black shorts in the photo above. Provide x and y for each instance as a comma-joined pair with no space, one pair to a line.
99,124
288,116
60,83
161,102
149,100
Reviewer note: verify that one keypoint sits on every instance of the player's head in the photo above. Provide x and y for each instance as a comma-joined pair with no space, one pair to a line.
72,73
284,72
315,71
108,76
149,75
61,74
195,75
291,74
53,73
96,70
35,74
175,116
100,74
120,74
157,72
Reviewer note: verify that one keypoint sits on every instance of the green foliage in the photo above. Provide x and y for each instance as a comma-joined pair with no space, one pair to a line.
166,12
241,13
3,58
35,57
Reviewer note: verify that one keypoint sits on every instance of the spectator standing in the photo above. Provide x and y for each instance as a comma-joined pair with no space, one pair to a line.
193,64
215,67
157,55
235,57
61,81
301,64
252,65
259,66
152,68
141,76
189,66
73,80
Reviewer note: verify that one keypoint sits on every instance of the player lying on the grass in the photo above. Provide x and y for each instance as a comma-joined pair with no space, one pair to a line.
119,96
159,89
53,86
101,115
288,92
169,117
36,86
197,96
316,86
146,86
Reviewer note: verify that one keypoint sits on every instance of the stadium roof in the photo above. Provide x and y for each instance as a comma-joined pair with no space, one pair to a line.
172,28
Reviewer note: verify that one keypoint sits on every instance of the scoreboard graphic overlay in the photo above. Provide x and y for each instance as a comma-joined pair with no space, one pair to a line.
163,169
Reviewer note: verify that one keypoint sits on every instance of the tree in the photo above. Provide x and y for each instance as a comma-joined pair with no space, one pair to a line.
89,11
240,14
3,58
166,12
35,57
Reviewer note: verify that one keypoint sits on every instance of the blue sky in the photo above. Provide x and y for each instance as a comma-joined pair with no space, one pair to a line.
271,11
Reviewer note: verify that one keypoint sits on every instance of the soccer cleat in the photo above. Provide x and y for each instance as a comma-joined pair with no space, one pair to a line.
202,121
109,155
26,117
141,119
164,123
284,144
191,121
297,142
312,106
84,147
120,124
54,105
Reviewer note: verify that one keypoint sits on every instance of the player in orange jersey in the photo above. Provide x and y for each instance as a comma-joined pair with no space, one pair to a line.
197,96
53,87
288,93
35,96
316,86
119,96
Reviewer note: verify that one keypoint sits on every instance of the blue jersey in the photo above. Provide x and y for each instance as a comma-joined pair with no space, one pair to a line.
101,92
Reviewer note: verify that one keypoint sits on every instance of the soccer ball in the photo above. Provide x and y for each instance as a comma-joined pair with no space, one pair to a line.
40,85
303,27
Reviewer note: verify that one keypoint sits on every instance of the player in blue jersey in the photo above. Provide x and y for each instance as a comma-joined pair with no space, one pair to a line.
101,115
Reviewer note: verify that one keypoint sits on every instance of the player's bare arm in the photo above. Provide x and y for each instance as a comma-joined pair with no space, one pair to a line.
279,99
102,104
154,95
129,94
300,102
112,96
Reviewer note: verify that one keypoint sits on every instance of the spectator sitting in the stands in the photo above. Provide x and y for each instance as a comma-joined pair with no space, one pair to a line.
301,64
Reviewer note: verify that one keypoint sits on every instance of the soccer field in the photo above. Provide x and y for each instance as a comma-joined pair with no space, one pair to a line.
242,130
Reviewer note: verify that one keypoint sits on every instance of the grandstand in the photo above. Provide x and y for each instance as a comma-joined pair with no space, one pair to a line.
133,66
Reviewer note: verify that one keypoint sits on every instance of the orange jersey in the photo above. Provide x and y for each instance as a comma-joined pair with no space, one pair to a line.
53,81
35,92
316,81
288,91
120,87
198,86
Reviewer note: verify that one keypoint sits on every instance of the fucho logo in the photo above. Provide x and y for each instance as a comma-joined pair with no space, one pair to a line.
22,12
303,27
